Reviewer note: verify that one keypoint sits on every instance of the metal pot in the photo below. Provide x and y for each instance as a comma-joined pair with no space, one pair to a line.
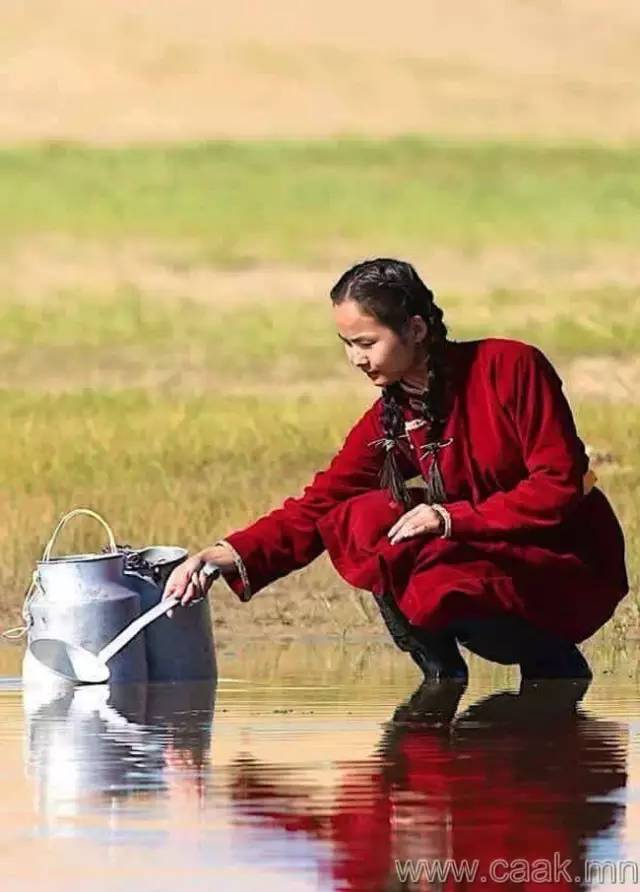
179,648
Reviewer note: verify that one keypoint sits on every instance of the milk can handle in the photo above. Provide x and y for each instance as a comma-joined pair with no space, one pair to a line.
79,511
34,587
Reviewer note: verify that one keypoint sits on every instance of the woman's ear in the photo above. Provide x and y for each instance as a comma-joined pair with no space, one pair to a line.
419,329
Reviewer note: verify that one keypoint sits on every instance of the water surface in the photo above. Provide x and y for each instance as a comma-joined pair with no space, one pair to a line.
316,765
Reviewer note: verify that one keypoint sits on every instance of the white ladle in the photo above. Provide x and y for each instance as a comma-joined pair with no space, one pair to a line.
79,665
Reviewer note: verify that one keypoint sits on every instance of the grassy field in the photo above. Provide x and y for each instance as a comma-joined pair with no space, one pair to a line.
238,205
187,470
167,353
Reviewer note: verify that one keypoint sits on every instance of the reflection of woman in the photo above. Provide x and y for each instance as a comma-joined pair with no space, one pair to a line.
516,780
507,546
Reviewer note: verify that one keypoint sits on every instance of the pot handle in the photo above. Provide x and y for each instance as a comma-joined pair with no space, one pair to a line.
87,512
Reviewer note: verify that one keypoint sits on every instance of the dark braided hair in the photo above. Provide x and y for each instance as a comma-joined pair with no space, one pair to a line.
391,291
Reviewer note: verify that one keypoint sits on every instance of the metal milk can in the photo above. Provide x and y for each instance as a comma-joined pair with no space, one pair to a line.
180,648
85,599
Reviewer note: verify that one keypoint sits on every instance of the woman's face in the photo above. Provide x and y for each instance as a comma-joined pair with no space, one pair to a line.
376,350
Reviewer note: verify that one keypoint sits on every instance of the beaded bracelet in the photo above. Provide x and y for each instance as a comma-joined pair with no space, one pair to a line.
446,519
240,567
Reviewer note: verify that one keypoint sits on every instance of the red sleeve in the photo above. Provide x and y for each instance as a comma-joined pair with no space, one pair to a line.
553,453
287,539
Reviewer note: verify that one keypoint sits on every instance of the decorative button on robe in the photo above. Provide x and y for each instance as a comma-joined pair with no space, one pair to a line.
530,534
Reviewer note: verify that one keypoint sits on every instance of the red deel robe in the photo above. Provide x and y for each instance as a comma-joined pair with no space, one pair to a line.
525,537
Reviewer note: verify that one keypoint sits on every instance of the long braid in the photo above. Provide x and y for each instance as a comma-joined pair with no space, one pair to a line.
392,291
437,395
392,420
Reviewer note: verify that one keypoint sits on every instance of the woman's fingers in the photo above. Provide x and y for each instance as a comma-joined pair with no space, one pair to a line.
190,581
192,591
421,519
180,582
403,533
176,587
410,515
417,520
176,584
181,577
187,595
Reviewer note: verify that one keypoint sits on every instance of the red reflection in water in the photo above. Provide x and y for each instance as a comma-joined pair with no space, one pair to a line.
516,776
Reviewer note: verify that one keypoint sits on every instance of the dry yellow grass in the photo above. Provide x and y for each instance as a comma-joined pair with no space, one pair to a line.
121,72
33,268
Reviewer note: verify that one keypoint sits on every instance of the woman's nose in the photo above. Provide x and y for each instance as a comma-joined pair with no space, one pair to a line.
358,359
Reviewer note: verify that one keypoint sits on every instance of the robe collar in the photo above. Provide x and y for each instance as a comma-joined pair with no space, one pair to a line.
413,397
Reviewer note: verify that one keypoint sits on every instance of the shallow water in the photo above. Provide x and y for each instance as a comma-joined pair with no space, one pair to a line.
309,767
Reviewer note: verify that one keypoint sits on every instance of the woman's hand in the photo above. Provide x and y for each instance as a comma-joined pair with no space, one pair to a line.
418,520
188,581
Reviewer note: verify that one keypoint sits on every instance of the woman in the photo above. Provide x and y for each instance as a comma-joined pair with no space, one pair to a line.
507,547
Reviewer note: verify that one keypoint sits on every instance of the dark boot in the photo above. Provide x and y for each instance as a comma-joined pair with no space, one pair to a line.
509,639
561,662
436,654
